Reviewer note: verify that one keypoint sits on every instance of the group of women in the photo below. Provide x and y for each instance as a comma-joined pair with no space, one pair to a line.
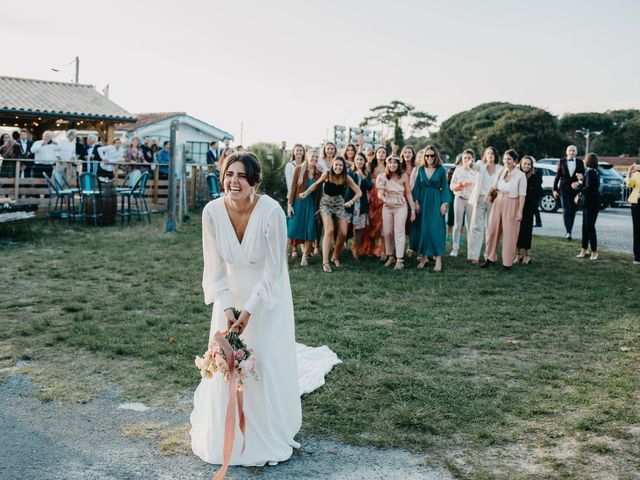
381,199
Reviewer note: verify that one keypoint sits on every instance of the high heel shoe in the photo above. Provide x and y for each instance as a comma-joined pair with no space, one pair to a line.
326,268
389,262
594,256
518,259
582,255
305,260
399,264
526,260
336,262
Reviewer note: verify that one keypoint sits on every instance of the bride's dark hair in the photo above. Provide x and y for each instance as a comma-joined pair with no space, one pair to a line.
251,163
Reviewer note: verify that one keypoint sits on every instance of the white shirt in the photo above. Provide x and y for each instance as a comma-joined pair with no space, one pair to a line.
571,166
516,186
322,163
67,149
468,177
110,154
289,168
45,154
487,180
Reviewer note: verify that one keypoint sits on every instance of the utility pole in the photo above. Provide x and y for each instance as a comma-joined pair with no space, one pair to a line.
587,133
170,225
77,60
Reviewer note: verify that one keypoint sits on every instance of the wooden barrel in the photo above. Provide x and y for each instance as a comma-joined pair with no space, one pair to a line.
109,204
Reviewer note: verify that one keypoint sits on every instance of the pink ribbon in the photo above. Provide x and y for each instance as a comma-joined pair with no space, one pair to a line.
235,400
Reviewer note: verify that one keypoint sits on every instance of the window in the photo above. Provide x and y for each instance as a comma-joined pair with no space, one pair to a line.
197,152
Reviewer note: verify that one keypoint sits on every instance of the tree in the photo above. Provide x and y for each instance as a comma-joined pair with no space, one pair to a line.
463,129
397,113
273,163
532,132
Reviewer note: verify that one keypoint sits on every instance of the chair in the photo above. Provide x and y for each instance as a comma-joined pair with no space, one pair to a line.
135,191
212,185
60,180
90,190
60,195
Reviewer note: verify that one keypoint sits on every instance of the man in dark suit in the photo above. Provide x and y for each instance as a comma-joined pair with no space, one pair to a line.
570,170
90,155
22,149
213,154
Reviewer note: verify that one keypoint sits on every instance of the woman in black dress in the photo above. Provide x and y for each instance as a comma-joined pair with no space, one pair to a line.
589,186
534,188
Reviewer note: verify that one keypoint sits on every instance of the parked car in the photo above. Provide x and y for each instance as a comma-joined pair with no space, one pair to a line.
548,202
611,185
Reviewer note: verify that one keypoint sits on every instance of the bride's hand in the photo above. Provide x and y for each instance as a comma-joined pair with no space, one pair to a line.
242,322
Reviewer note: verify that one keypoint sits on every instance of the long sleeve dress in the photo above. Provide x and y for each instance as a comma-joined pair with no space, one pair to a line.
253,275
250,275
428,231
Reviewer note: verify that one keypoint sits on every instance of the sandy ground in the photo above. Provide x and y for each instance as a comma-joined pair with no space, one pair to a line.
52,440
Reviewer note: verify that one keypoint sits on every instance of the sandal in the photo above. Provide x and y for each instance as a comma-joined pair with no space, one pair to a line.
336,262
383,257
389,262
399,264
316,252
294,254
409,253
423,261
526,260
518,259
305,260
326,268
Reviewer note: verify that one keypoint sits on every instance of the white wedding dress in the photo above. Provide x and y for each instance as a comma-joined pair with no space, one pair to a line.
253,275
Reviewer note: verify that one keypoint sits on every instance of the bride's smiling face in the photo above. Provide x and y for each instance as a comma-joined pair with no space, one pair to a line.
235,182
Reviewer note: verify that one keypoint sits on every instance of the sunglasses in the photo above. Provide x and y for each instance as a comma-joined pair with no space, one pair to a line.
430,155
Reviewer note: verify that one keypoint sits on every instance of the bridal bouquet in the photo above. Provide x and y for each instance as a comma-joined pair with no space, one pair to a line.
242,363
230,356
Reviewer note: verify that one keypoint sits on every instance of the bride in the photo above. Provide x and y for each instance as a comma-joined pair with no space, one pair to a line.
244,238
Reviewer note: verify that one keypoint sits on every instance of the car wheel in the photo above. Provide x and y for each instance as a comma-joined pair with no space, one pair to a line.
548,203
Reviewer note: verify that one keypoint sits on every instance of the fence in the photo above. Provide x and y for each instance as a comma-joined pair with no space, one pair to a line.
35,191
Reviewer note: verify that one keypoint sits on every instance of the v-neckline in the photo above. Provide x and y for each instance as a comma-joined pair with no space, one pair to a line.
249,222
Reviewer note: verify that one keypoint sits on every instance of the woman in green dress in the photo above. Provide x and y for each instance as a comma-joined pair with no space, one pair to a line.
301,224
431,194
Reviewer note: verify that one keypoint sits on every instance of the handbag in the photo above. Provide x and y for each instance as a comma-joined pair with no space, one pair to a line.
493,194
579,200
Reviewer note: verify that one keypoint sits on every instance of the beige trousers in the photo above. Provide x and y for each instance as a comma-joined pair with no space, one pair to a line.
503,223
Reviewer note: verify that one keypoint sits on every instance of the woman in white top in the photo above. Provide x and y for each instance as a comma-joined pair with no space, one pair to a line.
510,189
488,168
110,155
327,154
463,180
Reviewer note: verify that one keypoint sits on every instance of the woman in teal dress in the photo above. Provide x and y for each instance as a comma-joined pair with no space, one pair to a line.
302,224
431,194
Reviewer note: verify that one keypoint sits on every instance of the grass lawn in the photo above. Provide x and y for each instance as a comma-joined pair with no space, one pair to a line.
528,374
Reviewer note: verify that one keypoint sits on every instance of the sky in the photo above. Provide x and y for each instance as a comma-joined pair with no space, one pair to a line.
290,70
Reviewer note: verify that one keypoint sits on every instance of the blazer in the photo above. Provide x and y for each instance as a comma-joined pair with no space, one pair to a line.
365,185
590,188
633,181
211,157
17,150
96,153
480,167
562,180
534,190
298,189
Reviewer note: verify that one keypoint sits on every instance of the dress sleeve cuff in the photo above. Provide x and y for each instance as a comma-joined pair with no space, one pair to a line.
253,303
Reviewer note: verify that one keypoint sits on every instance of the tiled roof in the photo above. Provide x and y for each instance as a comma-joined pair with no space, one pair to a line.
22,95
147,119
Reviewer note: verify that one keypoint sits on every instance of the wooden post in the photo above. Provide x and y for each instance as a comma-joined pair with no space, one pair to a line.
16,184
156,177
194,184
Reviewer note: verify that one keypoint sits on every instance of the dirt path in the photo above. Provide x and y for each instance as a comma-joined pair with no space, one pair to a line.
74,441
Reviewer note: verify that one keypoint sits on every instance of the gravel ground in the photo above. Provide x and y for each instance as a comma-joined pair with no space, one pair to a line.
614,229
74,441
